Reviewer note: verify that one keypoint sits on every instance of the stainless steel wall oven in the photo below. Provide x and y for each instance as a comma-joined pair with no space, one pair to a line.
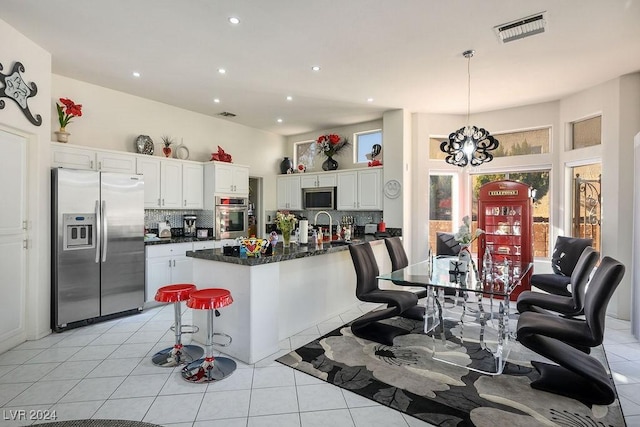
231,218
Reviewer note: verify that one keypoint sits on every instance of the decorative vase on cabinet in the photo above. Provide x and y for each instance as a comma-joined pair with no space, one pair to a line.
62,136
330,164
286,166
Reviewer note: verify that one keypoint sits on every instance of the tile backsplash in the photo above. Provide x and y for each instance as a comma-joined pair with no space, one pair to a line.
152,216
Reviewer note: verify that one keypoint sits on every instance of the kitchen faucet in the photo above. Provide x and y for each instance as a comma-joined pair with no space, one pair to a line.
315,221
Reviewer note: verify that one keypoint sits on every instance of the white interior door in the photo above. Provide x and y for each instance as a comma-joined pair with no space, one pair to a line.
13,216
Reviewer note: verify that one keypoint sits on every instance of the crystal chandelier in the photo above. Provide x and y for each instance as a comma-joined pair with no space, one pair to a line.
469,145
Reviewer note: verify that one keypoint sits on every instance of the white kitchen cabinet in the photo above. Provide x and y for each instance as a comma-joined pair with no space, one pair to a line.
167,264
289,194
192,185
360,190
318,180
150,168
115,162
72,157
224,179
170,184
65,156
370,189
207,244
163,183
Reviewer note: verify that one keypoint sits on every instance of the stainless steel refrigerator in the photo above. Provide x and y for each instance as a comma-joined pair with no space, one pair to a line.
97,246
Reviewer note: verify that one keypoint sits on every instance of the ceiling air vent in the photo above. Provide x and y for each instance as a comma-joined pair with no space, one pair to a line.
521,28
226,114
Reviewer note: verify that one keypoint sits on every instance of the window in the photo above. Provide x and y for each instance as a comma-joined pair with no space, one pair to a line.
586,133
364,142
538,180
586,216
534,141
441,200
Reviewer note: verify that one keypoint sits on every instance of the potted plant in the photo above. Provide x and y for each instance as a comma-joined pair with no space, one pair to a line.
167,141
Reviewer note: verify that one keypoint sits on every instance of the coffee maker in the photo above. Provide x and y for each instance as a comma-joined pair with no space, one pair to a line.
189,225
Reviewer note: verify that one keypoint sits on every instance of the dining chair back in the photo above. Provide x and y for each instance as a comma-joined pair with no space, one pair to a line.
566,305
561,340
399,303
566,252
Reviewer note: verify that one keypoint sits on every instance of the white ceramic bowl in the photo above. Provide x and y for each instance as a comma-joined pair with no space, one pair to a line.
150,235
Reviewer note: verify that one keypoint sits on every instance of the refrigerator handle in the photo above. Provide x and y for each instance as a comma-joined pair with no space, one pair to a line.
98,230
105,233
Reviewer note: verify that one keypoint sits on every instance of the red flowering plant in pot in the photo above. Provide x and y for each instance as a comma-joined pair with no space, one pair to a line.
67,111
330,145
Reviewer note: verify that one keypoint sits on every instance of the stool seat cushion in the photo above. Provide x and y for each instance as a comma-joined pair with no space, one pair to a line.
209,299
175,293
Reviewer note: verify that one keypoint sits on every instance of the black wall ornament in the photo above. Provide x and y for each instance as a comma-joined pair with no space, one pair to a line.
17,89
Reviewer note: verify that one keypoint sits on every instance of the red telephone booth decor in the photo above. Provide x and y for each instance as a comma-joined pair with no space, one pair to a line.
505,213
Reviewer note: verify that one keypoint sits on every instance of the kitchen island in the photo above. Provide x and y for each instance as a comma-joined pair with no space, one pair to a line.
278,296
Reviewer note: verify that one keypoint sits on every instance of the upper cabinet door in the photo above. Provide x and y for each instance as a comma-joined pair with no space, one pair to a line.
171,184
241,180
370,189
150,168
113,162
231,179
347,191
192,185
73,158
224,178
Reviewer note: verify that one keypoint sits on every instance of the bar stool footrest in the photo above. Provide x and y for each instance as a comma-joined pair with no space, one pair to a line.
220,334
186,329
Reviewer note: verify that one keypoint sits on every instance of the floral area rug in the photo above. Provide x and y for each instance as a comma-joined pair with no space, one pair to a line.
407,378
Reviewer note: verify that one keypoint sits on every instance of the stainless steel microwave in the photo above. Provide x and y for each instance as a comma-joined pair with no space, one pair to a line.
316,199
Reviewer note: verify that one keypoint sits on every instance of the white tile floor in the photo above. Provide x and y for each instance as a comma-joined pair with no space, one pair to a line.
105,371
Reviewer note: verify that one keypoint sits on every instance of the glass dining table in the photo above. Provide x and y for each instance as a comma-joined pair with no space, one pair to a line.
466,312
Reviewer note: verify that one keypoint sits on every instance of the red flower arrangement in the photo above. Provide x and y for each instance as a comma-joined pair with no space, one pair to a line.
221,156
68,112
331,144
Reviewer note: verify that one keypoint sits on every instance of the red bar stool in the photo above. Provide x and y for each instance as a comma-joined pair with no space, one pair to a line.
210,368
179,354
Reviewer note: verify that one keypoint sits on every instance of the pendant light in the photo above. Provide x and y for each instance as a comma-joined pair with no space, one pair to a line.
469,145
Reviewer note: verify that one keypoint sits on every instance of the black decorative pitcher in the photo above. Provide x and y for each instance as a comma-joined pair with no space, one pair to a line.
329,164
286,166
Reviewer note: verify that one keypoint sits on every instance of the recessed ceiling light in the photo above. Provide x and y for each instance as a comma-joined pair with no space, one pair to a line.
216,100
279,120
222,70
234,20
289,98
136,74
315,68
369,99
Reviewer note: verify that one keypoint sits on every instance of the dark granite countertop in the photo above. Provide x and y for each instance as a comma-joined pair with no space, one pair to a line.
295,251
176,239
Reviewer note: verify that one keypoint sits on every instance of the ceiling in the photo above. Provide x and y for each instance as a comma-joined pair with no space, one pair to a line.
402,54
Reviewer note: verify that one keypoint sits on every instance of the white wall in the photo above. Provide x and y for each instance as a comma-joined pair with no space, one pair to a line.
345,161
113,119
37,63
618,101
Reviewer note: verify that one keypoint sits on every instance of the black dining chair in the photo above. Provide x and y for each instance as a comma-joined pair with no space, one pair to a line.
399,303
567,306
577,374
566,252
399,258
446,244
